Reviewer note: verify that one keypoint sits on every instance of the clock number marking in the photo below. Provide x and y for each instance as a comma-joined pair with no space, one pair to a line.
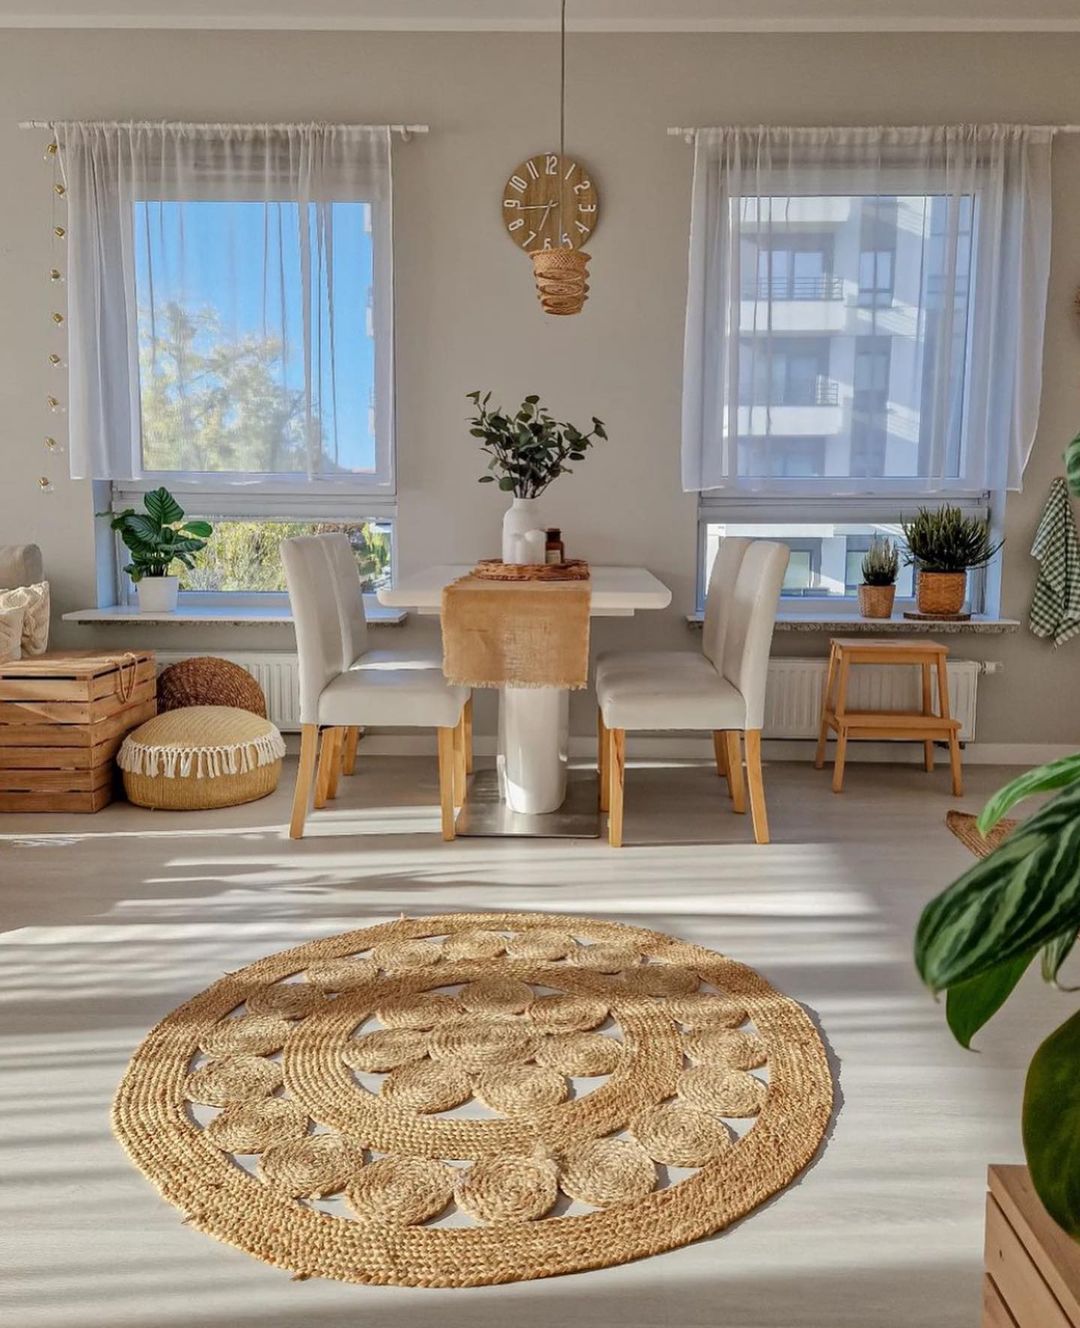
582,227
551,164
511,203
586,207
570,170
531,168
516,182
528,239
583,187
516,224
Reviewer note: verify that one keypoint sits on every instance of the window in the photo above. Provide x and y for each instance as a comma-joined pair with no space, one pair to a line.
231,332
855,302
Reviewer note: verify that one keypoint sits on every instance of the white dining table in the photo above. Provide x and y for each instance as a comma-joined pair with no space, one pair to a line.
533,746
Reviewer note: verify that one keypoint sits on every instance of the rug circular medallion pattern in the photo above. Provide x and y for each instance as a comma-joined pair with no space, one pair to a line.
473,1099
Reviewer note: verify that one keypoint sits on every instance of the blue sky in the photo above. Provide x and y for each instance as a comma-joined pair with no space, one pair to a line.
212,254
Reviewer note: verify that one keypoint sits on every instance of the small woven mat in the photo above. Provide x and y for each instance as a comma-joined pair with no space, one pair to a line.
529,634
454,1101
964,826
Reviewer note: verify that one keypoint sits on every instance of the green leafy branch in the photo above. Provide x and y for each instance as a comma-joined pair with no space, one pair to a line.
159,537
527,449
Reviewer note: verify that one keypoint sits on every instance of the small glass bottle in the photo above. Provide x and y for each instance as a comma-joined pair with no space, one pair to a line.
554,552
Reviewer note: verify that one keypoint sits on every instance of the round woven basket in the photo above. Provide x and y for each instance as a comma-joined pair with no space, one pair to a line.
494,569
941,592
201,757
206,681
876,601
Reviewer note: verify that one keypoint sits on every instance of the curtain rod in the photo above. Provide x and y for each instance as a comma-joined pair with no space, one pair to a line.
405,130
688,132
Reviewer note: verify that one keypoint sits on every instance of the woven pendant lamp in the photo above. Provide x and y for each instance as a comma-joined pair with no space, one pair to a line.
561,273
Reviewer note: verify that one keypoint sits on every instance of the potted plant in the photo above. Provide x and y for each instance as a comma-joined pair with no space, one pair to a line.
527,450
880,568
156,540
976,940
944,546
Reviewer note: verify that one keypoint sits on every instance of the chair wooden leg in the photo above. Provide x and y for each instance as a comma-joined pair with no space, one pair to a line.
927,709
719,743
603,777
616,782
348,750
467,721
305,777
757,786
954,735
460,763
329,761
333,774
446,780
735,771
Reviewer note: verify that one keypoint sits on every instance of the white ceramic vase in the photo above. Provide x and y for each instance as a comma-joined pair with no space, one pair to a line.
157,594
522,515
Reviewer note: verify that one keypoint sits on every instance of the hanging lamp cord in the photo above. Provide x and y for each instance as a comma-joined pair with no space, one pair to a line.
562,82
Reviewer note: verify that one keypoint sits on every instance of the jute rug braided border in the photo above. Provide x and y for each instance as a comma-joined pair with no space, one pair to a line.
679,1065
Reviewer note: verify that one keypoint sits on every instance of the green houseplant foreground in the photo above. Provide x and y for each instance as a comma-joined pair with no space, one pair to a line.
977,939
156,539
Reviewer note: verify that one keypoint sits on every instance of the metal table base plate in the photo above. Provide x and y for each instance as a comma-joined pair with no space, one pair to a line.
485,814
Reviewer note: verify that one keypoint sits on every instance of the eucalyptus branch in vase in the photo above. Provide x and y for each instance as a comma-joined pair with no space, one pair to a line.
527,449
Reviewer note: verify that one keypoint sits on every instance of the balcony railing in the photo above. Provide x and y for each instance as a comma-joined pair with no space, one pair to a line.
793,288
821,392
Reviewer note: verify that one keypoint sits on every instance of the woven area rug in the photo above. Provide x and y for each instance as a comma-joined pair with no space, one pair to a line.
475,1098
965,827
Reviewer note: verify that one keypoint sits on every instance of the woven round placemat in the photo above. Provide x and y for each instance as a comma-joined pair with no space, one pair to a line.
464,1065
965,827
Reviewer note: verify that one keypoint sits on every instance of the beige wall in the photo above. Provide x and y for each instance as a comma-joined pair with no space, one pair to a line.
466,314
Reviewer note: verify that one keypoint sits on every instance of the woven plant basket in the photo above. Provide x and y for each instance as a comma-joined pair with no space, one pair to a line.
201,757
206,681
876,601
941,592
561,279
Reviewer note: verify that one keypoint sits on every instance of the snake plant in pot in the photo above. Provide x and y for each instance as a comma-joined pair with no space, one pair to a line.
156,539
945,545
976,940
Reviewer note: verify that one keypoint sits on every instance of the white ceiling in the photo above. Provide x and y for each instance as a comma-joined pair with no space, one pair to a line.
523,15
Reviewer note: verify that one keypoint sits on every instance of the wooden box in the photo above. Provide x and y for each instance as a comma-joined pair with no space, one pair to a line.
63,716
1032,1267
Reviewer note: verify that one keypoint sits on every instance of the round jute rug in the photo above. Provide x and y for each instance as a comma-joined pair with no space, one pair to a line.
475,1098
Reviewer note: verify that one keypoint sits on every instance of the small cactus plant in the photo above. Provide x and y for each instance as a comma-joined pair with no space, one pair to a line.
881,563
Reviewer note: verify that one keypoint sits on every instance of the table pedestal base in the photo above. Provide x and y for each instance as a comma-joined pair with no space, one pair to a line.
486,814
534,740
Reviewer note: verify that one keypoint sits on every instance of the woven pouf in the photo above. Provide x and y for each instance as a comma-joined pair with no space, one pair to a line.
201,757
205,680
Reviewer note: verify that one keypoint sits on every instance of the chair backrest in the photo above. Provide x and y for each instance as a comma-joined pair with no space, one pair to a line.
315,617
751,617
718,597
350,597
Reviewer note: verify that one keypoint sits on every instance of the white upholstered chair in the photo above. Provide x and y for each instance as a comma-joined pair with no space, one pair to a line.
356,649
337,693
720,688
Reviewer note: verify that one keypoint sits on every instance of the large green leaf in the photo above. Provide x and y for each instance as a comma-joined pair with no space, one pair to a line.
973,1003
203,529
1015,900
1072,466
1043,779
163,507
1051,1124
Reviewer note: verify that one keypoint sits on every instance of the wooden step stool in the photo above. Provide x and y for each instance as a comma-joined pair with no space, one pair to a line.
905,725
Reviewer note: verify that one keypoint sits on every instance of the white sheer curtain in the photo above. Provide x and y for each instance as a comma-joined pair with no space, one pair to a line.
223,280
865,308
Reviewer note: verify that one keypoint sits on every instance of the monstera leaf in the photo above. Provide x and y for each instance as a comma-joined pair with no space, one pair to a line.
1051,1124
1022,896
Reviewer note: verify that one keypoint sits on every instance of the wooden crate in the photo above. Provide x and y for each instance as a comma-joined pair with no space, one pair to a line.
63,716
1032,1267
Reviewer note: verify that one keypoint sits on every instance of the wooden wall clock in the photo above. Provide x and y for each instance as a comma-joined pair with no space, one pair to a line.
531,203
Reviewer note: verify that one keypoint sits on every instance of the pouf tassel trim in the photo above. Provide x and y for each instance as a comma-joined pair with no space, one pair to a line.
201,762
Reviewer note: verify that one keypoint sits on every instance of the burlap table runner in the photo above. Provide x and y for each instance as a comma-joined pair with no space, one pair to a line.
528,634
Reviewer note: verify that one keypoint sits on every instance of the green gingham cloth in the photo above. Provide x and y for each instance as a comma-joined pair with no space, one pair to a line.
1055,608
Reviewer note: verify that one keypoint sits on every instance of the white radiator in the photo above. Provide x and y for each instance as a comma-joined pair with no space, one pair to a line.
792,705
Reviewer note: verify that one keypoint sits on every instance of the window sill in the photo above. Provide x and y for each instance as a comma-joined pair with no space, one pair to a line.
851,624
222,615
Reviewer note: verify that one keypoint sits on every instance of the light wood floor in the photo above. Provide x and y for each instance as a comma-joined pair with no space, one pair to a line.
111,921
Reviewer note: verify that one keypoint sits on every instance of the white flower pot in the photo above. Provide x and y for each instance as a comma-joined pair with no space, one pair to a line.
522,515
157,594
